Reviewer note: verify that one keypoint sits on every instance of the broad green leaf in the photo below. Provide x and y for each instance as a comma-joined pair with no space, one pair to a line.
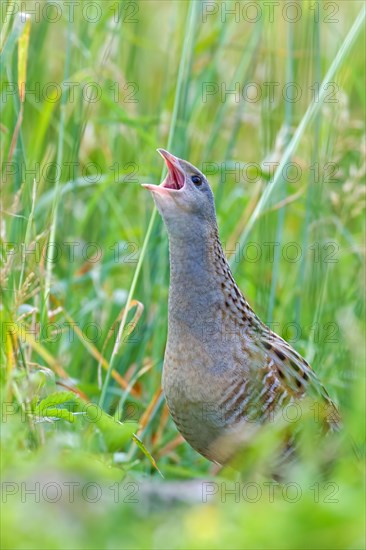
57,398
116,434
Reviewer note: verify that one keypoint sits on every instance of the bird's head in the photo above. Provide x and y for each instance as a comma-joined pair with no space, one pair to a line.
184,199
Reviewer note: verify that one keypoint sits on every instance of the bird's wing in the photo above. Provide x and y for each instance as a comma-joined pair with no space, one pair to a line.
273,375
295,377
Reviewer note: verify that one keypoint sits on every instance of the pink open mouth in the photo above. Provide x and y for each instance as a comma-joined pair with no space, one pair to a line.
175,177
174,180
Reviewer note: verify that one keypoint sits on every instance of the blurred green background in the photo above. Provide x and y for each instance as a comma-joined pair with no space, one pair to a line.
89,91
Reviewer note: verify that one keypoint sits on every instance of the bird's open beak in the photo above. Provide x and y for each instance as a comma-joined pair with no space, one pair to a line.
175,178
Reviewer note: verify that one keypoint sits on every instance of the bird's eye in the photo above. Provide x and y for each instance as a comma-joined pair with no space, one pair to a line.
197,180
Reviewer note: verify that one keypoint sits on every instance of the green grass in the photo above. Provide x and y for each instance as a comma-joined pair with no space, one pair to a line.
89,314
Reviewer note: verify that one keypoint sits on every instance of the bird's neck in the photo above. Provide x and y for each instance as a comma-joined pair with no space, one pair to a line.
194,276
201,285
191,256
